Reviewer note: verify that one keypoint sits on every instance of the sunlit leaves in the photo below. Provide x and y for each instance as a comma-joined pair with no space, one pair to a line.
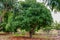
35,16
26,15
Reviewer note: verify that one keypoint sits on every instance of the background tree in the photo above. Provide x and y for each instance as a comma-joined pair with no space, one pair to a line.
5,6
8,9
54,4
48,29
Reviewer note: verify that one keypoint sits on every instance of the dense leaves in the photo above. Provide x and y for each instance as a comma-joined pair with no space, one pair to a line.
8,8
35,15
26,15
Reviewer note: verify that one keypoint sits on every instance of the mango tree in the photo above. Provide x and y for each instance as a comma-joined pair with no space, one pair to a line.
35,16
29,16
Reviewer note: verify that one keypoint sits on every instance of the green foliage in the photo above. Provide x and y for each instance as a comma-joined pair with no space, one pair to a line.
7,3
35,15
27,16
56,26
9,8
53,26
48,28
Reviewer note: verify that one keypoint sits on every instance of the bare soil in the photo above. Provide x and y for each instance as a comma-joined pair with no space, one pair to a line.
10,37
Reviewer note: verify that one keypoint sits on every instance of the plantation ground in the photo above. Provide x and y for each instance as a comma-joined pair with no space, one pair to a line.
38,36
10,37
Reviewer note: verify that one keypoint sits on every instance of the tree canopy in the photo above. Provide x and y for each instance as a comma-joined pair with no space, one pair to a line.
28,15
31,15
35,15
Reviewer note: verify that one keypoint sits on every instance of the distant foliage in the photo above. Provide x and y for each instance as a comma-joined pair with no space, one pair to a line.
54,4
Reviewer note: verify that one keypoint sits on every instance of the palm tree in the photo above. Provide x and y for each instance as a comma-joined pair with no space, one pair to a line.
54,4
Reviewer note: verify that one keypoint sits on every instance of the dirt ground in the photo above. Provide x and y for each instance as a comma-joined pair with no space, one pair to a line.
4,37
10,37
26,37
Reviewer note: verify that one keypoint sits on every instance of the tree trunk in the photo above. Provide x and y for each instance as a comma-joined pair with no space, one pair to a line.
30,33
48,33
0,19
58,32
